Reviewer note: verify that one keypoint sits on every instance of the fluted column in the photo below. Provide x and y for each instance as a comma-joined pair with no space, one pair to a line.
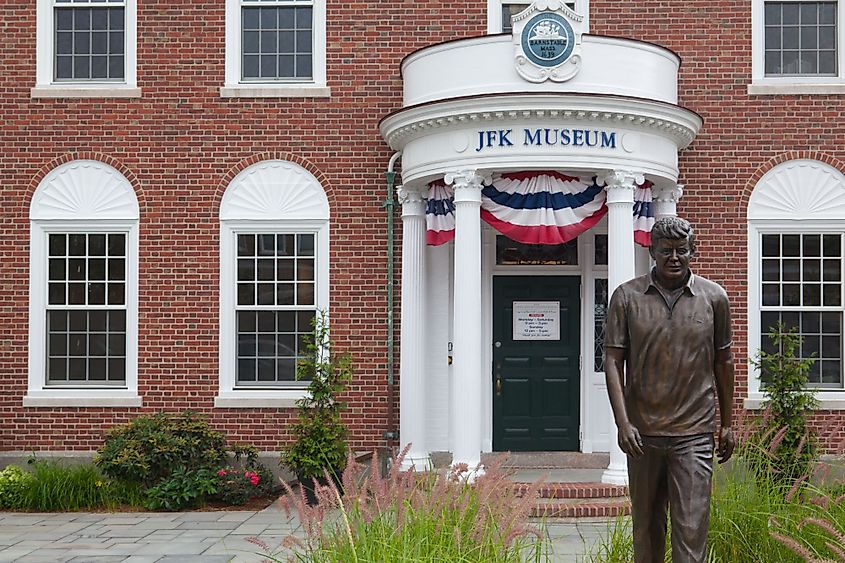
620,186
666,201
412,391
466,372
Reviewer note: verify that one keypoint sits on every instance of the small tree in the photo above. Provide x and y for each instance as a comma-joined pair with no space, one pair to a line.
319,434
785,376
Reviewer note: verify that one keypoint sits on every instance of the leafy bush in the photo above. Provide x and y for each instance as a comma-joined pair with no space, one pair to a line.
14,483
183,488
151,447
417,516
319,434
236,486
788,402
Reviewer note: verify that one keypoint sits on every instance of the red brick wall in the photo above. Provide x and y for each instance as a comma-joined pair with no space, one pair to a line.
181,143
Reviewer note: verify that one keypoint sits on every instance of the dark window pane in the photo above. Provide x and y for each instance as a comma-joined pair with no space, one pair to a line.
57,269
57,320
812,245
96,269
76,369
773,63
286,370
287,18
286,345
56,294
266,294
810,322
117,269
287,42
64,19
791,270
305,294
305,270
57,245
268,66
116,294
269,42
285,294
286,66
246,345
76,293
57,369
81,19
97,321
116,18
832,246
96,245
831,323
305,321
246,245
77,344
304,16
246,294
827,62
771,294
247,321
99,67
809,12
771,245
117,320
812,295
250,66
246,370
76,245
76,269
266,321
96,369
77,321
284,269
827,37
249,18
97,344
266,245
303,41
266,269
827,12
268,18
791,294
791,245
812,270
287,321
266,370
773,38
64,44
96,294
832,295
117,245
57,345
831,347
831,372
790,12
306,245
303,67
246,269
116,66
832,270
285,245
81,45
250,42
267,345
117,345
771,270
117,369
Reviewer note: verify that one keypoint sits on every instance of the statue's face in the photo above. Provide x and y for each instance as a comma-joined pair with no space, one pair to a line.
671,259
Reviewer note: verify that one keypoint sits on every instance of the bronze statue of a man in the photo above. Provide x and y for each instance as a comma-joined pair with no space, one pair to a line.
667,356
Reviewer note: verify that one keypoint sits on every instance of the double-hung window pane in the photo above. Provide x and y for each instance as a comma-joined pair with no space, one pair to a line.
801,277
800,39
86,309
275,305
89,40
277,40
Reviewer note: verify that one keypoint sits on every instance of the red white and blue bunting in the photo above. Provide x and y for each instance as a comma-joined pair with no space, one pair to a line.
540,207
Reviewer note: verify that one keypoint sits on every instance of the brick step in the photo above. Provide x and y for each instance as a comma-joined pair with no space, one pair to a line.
575,490
550,460
581,508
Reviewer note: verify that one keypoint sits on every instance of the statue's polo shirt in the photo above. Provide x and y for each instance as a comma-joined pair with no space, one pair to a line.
670,385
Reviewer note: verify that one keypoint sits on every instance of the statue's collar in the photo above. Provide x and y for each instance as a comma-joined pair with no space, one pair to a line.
652,282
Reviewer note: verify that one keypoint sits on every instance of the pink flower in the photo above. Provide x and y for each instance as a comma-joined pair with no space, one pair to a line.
222,472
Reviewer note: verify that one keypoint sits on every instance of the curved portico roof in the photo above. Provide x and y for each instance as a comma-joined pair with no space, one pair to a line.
466,106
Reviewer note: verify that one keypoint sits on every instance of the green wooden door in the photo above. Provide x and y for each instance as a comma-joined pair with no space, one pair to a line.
536,372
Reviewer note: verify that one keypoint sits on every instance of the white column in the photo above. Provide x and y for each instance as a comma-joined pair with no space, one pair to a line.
412,331
467,370
438,324
666,201
620,186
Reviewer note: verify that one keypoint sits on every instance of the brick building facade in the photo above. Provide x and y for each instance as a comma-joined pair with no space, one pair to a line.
143,143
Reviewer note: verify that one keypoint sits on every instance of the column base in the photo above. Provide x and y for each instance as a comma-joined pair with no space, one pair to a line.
416,461
615,475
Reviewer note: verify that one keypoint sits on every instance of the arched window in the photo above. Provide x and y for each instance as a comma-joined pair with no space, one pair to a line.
274,277
796,225
83,335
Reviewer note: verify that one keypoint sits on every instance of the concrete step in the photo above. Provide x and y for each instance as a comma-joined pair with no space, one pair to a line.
581,508
575,490
550,460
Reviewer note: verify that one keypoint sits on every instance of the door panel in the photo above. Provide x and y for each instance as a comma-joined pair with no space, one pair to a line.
536,396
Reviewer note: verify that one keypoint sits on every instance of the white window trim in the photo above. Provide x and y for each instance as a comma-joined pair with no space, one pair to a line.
45,87
271,196
762,84
797,196
234,88
494,14
81,196
38,393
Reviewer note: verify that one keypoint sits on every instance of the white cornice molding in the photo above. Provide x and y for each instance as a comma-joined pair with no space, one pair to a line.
675,122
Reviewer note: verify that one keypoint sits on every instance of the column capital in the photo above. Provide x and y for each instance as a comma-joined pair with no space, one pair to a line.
626,179
669,195
467,184
413,201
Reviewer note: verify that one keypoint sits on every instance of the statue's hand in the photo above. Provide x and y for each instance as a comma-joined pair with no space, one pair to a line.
726,444
630,440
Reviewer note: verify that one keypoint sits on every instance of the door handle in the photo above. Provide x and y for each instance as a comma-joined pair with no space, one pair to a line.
498,385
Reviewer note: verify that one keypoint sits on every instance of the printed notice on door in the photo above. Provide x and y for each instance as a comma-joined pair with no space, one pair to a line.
536,320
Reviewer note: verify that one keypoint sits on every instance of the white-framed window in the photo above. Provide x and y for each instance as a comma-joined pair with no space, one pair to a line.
274,278
275,48
500,12
797,47
83,338
86,48
796,271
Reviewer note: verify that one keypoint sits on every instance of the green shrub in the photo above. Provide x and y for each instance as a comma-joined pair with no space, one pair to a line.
786,376
14,483
56,487
151,447
183,488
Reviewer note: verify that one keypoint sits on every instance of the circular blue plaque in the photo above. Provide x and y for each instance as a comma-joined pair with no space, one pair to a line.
548,39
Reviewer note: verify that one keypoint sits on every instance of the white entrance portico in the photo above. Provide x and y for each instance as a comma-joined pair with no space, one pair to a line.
476,109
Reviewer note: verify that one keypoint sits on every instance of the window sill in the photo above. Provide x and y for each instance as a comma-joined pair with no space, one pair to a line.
758,88
82,398
273,91
87,91
828,401
256,399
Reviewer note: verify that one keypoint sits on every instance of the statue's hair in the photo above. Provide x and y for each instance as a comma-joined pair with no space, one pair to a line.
672,228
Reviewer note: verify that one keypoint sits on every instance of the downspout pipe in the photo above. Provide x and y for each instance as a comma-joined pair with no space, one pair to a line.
391,433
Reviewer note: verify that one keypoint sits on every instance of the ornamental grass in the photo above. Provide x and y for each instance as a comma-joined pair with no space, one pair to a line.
456,515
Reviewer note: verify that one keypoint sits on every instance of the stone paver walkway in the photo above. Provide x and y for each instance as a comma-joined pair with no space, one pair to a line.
192,537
